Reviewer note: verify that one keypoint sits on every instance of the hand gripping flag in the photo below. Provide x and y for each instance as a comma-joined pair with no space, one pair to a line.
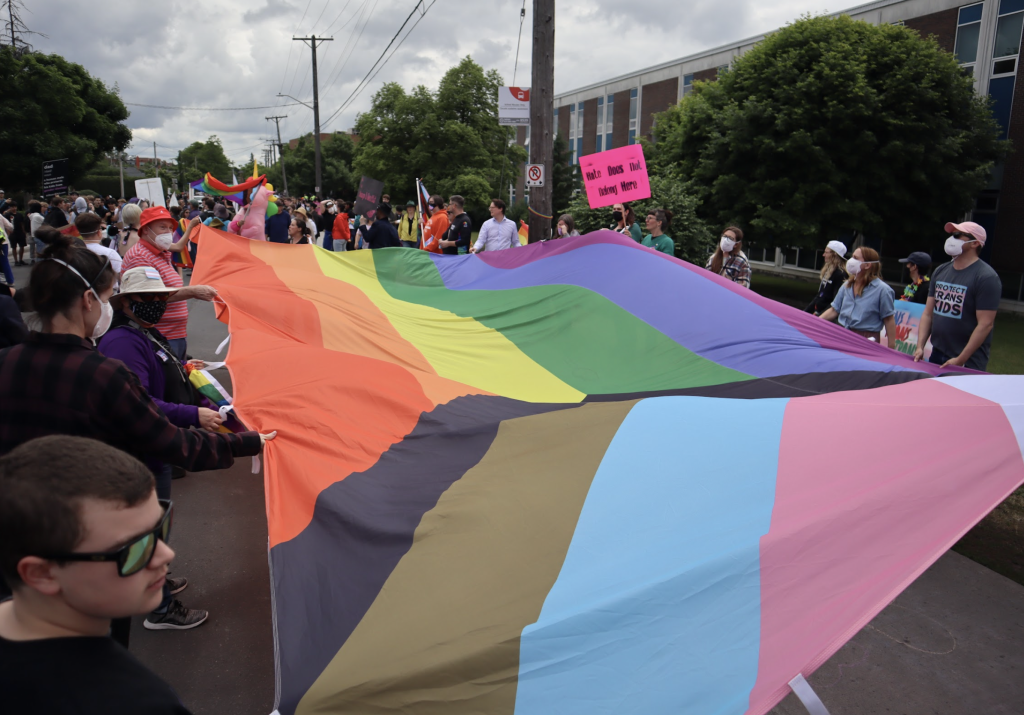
583,477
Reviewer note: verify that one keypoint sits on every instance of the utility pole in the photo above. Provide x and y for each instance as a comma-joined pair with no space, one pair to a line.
156,162
280,148
311,42
542,107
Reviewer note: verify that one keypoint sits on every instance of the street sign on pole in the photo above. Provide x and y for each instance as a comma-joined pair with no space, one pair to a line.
513,106
535,175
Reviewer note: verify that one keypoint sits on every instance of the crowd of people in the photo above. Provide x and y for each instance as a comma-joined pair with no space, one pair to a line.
99,414
960,298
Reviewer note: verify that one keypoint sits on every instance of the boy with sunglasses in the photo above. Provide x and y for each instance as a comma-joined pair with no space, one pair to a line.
83,540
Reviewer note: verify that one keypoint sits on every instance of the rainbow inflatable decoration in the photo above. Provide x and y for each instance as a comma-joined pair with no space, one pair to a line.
212,186
583,477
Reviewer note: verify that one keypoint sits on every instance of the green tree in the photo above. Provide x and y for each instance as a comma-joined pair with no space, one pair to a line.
54,109
300,165
200,157
450,139
831,125
563,177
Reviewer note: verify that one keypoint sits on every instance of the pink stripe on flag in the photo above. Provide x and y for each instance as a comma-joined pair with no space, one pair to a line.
873,486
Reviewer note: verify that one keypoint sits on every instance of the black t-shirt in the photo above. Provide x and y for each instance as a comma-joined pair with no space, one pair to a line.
461,231
80,676
827,290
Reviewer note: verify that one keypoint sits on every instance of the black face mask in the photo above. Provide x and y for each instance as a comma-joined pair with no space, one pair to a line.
149,313
617,215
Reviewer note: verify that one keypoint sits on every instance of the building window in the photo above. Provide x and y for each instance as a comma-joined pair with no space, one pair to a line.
600,123
634,102
609,115
968,27
555,122
579,133
1011,14
1005,53
721,69
572,134
687,84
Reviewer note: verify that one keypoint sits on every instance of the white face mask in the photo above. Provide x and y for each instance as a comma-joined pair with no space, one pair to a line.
853,266
955,246
106,315
727,244
163,241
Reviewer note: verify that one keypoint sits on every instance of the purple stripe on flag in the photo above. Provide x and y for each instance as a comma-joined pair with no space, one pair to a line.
685,305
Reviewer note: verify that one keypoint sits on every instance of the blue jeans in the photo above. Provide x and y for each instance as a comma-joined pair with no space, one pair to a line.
328,243
179,346
8,273
938,357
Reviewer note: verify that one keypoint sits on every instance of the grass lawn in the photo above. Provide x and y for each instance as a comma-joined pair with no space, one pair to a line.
998,540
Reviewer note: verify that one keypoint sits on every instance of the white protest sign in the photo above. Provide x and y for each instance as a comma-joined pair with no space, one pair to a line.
513,105
152,190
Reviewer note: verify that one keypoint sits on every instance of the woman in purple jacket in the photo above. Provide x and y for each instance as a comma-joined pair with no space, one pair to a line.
133,339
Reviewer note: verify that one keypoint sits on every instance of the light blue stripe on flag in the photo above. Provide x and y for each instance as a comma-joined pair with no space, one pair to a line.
657,606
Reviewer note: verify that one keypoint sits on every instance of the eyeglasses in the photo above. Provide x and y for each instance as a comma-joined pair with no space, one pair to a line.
136,554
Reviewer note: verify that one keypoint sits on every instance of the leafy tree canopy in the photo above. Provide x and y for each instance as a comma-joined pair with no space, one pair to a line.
831,125
200,157
54,109
450,138
300,165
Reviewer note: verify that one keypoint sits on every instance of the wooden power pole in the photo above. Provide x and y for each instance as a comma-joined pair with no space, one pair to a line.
542,108
280,148
312,41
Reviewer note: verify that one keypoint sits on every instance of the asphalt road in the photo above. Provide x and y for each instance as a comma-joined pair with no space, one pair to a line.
952,643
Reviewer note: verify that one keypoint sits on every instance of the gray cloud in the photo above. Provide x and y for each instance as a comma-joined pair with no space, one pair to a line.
278,9
225,53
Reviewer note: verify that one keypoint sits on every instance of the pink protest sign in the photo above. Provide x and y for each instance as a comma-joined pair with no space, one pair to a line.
616,175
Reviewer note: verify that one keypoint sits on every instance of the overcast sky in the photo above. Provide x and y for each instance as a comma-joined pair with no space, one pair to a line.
229,53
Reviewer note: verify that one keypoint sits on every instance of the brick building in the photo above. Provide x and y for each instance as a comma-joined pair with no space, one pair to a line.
986,37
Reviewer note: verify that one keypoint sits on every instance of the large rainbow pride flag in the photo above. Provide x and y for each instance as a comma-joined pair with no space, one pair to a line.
583,477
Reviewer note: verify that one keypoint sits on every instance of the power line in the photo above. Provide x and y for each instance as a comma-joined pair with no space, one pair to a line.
522,16
350,45
317,22
210,109
326,3
291,87
284,77
367,79
515,68
337,17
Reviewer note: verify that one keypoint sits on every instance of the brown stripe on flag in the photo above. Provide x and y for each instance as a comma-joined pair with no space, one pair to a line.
442,637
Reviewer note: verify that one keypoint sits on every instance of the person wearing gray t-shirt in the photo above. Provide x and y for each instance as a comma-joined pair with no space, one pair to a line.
962,302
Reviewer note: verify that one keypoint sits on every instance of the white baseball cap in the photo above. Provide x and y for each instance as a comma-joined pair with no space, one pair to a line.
838,247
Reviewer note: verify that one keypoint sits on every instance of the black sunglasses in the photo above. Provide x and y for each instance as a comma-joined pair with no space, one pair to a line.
137,553
963,236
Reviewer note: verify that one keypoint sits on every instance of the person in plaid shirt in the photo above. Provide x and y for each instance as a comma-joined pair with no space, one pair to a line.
57,383
728,260
156,235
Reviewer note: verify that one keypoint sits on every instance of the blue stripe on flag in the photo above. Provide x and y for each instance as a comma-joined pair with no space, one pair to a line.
658,602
